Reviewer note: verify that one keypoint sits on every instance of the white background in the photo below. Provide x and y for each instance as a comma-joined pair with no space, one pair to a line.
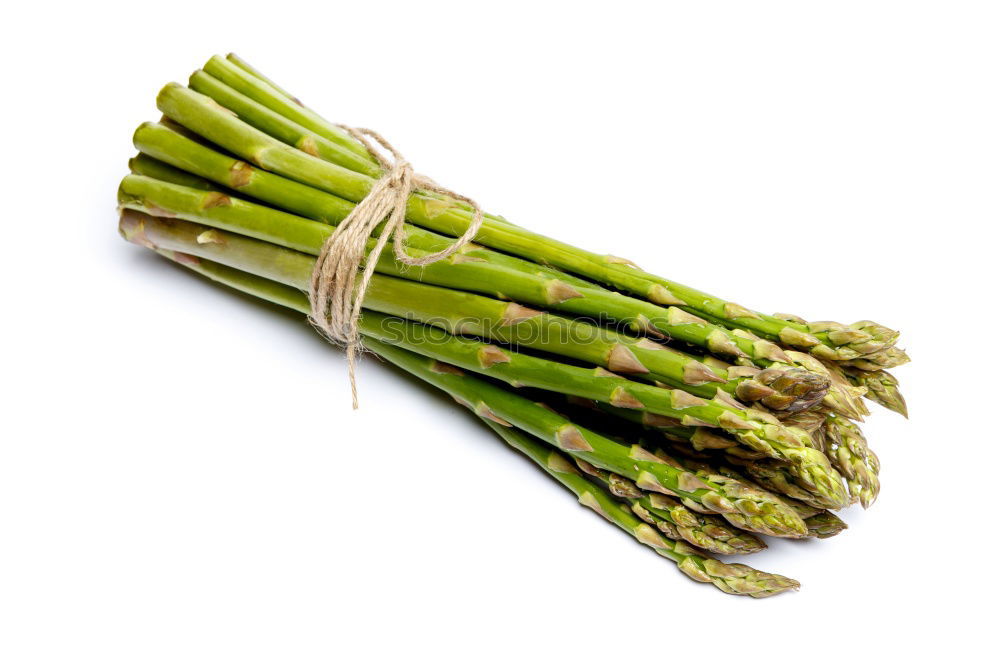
182,479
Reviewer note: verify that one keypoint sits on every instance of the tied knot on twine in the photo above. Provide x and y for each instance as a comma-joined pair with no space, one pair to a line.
336,291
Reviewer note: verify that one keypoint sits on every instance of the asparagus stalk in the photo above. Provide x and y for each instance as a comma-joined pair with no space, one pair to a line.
824,525
770,475
780,476
842,397
522,370
780,386
672,518
460,312
281,128
144,165
881,387
828,340
616,484
262,104
755,429
821,523
730,578
881,360
249,69
252,84
849,452
562,291
761,512
701,530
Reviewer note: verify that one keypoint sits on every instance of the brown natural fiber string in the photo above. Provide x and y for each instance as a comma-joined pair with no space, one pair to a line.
333,297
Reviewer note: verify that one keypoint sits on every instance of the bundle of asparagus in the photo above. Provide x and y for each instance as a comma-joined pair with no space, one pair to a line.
693,423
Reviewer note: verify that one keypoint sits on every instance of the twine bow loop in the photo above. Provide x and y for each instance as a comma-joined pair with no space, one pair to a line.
336,295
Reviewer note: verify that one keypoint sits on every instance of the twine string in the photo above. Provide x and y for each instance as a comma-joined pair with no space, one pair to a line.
336,294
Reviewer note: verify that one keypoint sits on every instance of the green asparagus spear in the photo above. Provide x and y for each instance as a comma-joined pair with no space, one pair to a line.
882,388
828,340
561,291
676,521
701,530
821,523
730,578
761,511
849,452
756,511
477,315
757,430
779,476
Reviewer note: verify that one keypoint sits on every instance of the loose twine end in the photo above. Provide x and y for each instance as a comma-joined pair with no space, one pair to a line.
336,294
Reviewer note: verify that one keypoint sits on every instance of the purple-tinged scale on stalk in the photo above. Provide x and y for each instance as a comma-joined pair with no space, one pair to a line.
848,336
745,334
727,399
689,483
240,174
622,487
642,324
620,397
515,313
696,373
719,343
623,359
307,144
659,421
612,259
660,295
490,355
560,464
587,468
547,407
569,438
442,368
704,438
770,351
684,400
650,537
790,317
737,311
185,259
215,200
483,411
828,353
648,481
716,503
557,291
751,391
588,500
132,227
637,452
678,317
793,337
